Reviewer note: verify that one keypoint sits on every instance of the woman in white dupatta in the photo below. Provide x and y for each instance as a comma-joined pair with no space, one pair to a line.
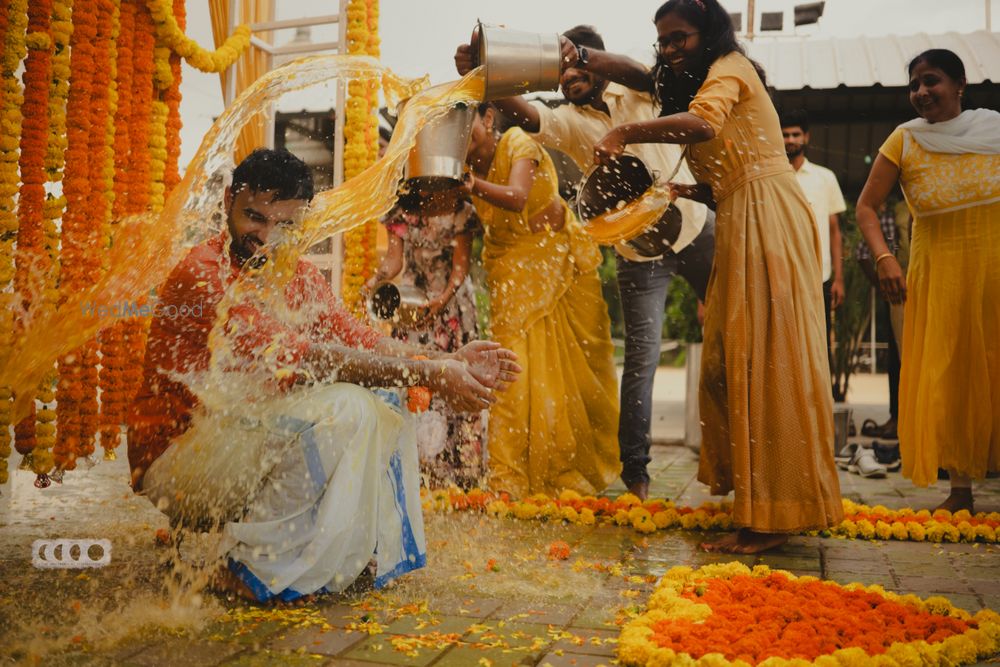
948,164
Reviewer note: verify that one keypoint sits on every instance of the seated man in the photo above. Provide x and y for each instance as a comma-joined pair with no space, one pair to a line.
261,424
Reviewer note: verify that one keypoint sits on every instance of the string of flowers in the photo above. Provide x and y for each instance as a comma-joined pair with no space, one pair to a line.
860,521
725,615
14,47
30,258
360,147
76,238
140,178
171,35
172,98
114,350
41,460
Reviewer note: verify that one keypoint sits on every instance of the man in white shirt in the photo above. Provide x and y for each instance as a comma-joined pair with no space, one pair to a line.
827,202
595,107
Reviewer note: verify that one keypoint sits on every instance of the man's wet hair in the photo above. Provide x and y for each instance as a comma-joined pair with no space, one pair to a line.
585,35
795,118
274,169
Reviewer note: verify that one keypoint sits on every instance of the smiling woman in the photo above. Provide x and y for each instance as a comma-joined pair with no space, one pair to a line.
948,164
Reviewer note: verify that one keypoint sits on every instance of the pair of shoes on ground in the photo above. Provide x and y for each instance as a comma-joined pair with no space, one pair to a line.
872,429
863,461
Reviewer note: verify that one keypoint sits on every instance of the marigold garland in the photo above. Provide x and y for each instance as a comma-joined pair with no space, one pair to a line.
171,35
727,614
13,41
31,258
78,241
41,460
861,521
360,147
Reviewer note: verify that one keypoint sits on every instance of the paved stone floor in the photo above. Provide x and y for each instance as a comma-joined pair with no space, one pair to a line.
489,595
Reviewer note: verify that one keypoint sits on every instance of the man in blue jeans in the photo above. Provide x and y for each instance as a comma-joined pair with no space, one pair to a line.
595,107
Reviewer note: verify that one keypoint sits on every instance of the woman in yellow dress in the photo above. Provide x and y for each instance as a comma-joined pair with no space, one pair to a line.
948,164
766,407
557,428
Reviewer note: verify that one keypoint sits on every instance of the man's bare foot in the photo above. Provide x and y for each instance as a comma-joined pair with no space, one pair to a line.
958,499
227,583
746,541
640,490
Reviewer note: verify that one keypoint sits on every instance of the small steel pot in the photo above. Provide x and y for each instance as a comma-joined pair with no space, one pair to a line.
437,160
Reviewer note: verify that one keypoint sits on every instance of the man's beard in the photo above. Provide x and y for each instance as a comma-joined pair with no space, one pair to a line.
796,151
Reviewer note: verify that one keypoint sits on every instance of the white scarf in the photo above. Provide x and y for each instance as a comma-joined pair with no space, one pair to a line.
972,131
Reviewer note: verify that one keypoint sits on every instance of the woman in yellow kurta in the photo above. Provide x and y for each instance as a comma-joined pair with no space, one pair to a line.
948,163
556,428
766,407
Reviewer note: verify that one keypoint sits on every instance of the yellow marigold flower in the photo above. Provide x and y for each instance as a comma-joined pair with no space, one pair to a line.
662,520
570,514
636,512
587,517
883,530
621,517
569,495
899,531
866,529
629,500
644,523
916,532
525,510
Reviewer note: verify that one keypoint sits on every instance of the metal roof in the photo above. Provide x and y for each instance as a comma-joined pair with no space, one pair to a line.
858,62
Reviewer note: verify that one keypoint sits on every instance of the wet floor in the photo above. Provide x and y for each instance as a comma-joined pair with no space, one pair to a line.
490,593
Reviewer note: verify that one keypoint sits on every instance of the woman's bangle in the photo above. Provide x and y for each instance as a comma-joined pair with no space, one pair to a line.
881,257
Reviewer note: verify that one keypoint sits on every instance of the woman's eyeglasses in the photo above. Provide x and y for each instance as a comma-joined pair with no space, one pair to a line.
678,40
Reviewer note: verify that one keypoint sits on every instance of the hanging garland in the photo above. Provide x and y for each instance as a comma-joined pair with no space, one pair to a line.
31,258
361,147
139,175
14,44
77,240
172,36
41,459
114,350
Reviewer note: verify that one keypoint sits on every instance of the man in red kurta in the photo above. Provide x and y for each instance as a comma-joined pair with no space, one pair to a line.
305,469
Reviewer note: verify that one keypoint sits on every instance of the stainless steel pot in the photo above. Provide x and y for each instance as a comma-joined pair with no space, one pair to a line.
516,62
437,160
403,305
608,187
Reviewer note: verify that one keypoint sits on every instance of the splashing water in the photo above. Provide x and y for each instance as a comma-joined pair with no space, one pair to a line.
146,247
631,219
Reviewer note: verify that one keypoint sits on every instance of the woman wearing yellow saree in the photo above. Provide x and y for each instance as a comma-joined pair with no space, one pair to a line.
557,428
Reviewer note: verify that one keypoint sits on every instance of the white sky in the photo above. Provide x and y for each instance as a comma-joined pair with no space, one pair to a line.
420,36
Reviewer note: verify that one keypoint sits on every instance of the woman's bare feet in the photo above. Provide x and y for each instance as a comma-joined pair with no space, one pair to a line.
958,499
746,541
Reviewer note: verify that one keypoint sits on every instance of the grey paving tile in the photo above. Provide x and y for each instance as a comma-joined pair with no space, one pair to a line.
316,640
924,586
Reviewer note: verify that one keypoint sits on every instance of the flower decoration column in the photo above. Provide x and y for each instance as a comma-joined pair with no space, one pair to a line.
13,24
361,146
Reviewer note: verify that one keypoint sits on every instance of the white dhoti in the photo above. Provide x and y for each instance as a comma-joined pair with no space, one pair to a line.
309,489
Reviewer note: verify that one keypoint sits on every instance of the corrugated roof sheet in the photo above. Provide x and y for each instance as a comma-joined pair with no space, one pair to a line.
820,63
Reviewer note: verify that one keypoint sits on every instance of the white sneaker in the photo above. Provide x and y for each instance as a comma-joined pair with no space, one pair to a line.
846,455
865,464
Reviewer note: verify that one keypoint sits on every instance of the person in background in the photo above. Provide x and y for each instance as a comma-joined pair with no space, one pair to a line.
897,239
595,106
429,247
556,428
827,202
766,405
947,162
